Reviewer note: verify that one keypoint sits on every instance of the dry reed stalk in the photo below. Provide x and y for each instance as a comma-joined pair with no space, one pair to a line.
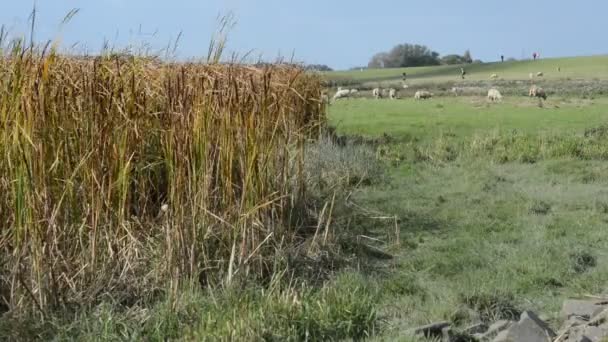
120,173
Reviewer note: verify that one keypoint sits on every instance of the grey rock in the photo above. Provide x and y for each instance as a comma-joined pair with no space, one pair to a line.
530,328
478,328
575,334
599,319
432,330
495,329
583,308
594,334
502,336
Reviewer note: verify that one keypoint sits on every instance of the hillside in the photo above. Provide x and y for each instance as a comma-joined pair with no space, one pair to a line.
589,67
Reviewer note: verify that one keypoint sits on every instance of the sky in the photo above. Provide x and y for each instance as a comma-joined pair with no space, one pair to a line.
339,33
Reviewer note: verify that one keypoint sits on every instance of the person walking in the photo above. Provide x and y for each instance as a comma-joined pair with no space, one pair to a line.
502,58
462,73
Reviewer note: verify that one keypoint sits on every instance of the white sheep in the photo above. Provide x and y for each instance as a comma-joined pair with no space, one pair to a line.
422,95
377,93
392,94
494,95
494,76
341,93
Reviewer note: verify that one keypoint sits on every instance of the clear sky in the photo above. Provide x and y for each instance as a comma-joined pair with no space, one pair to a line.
339,33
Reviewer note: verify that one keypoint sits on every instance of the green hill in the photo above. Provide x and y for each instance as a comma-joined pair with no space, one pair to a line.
590,67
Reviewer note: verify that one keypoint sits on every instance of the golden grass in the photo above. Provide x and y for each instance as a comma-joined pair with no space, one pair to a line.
120,174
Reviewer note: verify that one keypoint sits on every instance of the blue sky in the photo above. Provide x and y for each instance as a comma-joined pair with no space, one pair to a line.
339,33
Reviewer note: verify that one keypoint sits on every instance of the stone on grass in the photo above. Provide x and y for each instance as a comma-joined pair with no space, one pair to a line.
530,328
586,309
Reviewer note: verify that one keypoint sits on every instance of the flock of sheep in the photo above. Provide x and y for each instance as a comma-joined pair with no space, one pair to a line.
493,94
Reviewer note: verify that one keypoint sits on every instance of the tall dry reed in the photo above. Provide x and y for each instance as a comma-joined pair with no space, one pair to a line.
122,174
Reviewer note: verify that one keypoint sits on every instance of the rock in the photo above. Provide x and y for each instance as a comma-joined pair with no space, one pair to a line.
478,328
495,329
433,330
586,309
502,336
594,334
570,326
530,328
586,334
599,319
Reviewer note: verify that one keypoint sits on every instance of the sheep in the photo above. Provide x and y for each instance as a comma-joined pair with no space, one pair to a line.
376,93
539,74
423,95
457,90
494,76
341,93
392,94
405,86
537,92
494,95
354,91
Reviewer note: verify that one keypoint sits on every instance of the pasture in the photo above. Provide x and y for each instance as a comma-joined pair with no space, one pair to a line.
591,67
502,207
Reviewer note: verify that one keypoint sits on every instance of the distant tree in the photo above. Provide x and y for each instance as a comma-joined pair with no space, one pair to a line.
452,59
405,55
467,57
318,67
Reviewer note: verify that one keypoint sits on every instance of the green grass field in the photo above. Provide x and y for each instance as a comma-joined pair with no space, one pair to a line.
464,115
501,207
594,67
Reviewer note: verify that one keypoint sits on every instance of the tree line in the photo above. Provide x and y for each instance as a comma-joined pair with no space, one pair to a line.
415,55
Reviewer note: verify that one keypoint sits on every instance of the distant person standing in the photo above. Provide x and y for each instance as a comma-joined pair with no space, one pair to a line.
534,55
502,58
462,73
404,77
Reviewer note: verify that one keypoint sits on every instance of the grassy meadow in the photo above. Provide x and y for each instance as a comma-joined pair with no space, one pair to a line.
501,207
592,67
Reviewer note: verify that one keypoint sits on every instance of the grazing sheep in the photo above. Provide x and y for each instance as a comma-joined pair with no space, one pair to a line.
539,74
341,93
537,92
392,94
405,86
423,95
457,90
494,95
494,76
377,93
